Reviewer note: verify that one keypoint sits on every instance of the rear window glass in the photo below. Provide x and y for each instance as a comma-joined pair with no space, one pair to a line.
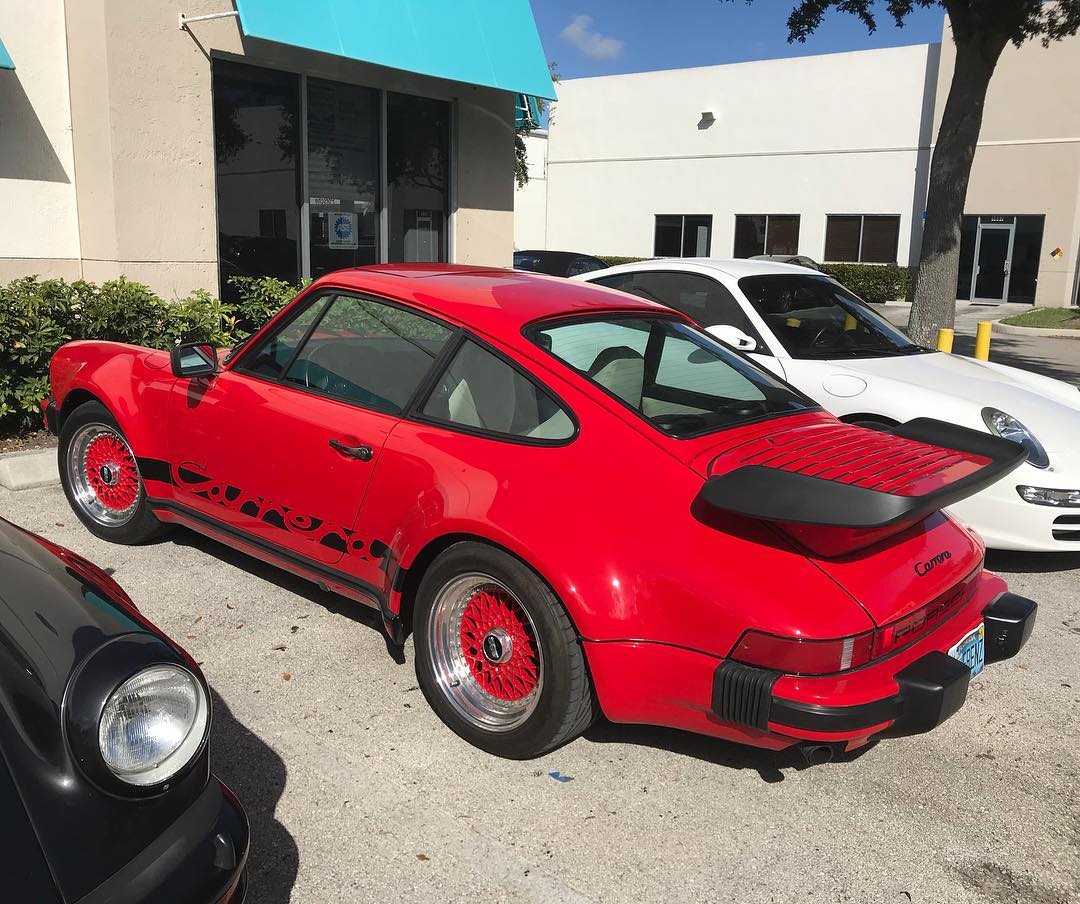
679,379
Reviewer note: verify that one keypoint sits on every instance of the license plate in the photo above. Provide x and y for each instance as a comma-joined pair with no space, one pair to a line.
971,650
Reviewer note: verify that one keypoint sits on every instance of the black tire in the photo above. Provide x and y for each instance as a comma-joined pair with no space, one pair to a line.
565,705
139,524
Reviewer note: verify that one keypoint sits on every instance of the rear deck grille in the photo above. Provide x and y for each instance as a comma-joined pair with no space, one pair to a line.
861,457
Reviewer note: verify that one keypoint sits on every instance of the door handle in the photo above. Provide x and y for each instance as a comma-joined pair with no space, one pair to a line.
363,453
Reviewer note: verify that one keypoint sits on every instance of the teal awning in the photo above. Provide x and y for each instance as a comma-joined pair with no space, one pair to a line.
5,58
480,42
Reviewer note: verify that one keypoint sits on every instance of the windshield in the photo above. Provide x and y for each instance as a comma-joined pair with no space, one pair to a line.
815,317
681,380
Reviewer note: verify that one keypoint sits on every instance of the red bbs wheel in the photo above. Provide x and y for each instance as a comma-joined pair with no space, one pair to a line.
100,476
496,654
104,475
499,645
107,473
486,652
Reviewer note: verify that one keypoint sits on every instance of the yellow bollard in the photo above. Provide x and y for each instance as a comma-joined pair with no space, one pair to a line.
982,340
944,339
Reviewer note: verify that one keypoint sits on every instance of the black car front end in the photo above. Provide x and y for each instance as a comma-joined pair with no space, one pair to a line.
104,727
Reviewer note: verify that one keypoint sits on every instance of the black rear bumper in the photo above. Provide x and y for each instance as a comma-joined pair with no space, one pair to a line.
200,858
931,688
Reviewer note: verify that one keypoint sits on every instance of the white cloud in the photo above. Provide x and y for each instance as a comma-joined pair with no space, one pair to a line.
590,43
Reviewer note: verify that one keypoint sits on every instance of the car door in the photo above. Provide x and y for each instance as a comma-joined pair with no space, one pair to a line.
281,446
705,300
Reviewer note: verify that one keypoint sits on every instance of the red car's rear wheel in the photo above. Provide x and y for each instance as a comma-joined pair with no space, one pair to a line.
484,652
101,478
496,655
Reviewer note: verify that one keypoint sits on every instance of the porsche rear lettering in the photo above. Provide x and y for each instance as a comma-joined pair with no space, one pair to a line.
924,568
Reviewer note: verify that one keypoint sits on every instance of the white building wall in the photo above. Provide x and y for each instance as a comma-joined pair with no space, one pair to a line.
530,201
841,133
39,230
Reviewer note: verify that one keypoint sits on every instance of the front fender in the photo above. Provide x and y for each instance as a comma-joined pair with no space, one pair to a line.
132,382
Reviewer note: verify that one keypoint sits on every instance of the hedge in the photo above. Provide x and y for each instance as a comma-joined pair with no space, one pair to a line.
875,283
38,316
612,261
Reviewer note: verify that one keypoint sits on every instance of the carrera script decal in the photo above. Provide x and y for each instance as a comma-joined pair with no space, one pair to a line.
189,476
924,568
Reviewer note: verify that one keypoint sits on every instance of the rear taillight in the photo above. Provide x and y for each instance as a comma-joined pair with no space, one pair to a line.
796,656
799,656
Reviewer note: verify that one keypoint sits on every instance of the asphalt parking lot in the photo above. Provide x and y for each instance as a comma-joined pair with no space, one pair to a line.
356,791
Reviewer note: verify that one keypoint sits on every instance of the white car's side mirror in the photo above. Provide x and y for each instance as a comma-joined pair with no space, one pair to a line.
733,336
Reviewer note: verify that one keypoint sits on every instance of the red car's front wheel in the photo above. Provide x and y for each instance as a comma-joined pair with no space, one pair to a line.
101,477
496,655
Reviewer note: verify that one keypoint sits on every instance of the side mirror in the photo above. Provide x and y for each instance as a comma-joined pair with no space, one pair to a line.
194,359
733,336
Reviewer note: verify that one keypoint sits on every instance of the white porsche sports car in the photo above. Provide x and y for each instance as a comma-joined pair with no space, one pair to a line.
835,348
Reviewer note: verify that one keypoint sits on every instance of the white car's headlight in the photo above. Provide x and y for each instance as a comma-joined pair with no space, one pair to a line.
1008,427
153,724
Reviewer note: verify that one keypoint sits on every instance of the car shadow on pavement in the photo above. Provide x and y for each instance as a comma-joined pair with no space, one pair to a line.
257,776
1010,561
332,602
769,764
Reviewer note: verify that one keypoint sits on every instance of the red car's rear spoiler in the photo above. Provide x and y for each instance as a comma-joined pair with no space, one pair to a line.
925,466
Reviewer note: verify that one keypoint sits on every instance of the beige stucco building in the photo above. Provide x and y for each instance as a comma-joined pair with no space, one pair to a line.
179,156
1025,180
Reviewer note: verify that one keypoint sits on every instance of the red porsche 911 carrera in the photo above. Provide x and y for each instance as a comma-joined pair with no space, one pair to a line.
578,503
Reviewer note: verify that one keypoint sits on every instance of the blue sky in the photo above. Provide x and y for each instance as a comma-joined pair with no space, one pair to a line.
601,37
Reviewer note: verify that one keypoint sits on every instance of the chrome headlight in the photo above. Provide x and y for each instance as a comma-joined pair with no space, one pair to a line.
153,725
1008,427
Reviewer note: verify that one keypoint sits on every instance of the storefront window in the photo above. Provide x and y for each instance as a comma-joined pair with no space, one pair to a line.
343,175
257,150
682,236
273,162
418,177
766,234
870,239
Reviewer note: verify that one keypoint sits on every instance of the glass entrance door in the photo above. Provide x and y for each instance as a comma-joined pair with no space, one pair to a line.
418,178
993,258
342,175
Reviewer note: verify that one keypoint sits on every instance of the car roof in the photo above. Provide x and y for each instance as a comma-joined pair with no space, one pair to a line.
492,300
737,268
555,253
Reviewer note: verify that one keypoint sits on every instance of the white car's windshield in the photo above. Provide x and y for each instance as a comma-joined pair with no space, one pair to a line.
816,317
679,379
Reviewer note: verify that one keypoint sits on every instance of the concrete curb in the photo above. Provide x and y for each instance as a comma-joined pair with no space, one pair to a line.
27,470
1039,331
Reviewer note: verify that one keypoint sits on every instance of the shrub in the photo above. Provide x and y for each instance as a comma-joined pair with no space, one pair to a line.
875,283
612,261
261,297
38,316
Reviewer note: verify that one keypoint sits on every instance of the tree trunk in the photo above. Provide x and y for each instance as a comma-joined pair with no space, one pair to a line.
934,300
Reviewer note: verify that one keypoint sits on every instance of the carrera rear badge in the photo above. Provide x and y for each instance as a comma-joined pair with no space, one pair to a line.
924,568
